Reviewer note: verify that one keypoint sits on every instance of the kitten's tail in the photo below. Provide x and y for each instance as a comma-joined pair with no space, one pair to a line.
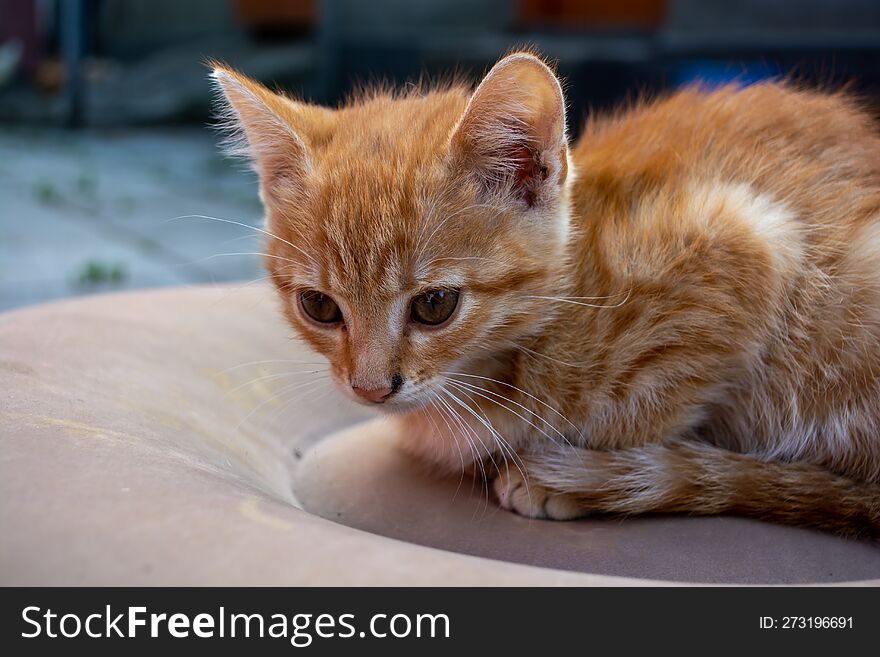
696,478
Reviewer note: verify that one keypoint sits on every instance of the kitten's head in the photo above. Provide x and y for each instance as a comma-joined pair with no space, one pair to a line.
413,234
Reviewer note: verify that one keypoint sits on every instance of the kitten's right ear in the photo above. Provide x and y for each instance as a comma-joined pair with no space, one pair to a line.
512,133
260,126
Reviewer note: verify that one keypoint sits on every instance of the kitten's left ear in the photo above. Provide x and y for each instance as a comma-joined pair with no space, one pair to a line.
512,134
270,130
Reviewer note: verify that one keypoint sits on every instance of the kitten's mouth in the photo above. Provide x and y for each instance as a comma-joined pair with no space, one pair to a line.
394,405
396,402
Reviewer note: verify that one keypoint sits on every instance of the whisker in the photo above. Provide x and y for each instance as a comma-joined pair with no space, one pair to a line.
246,236
510,385
601,296
581,303
272,361
550,358
244,225
455,214
475,389
240,253
321,386
501,442
481,389
492,432
451,414
452,437
274,397
475,434
428,218
236,288
436,260
457,419
272,377
467,432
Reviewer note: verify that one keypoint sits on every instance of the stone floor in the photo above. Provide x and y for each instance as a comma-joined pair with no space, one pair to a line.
86,212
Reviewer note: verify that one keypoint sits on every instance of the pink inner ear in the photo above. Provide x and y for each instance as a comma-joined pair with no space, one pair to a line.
529,172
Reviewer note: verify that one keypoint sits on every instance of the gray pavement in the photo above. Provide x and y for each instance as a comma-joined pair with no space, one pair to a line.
86,212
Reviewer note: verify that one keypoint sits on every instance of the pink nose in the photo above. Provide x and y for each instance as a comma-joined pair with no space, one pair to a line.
376,395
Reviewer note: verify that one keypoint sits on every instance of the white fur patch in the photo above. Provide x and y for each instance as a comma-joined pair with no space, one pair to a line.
863,263
770,220
563,221
866,245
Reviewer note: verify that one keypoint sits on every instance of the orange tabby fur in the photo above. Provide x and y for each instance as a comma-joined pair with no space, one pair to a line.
682,314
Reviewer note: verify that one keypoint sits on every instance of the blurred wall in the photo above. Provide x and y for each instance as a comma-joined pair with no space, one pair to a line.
143,60
129,28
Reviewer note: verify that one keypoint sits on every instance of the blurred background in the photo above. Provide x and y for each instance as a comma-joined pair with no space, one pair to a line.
109,173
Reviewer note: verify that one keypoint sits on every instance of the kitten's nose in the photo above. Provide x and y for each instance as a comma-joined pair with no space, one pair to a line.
378,395
375,395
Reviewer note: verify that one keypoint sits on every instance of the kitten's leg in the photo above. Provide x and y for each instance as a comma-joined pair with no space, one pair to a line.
699,479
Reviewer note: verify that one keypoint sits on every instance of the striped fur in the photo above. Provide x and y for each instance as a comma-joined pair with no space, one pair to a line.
680,313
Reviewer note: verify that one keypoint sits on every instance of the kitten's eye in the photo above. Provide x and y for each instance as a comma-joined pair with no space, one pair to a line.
434,307
320,307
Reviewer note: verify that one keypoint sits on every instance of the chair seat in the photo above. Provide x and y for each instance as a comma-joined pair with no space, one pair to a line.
163,437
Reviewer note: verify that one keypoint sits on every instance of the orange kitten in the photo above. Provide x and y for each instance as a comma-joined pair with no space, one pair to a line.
681,313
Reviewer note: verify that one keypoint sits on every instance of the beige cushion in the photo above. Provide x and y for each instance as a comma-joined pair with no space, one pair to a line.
134,450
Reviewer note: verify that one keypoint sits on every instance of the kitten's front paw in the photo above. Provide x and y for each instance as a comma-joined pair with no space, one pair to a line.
516,494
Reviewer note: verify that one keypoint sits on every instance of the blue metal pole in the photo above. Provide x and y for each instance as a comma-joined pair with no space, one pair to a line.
73,37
